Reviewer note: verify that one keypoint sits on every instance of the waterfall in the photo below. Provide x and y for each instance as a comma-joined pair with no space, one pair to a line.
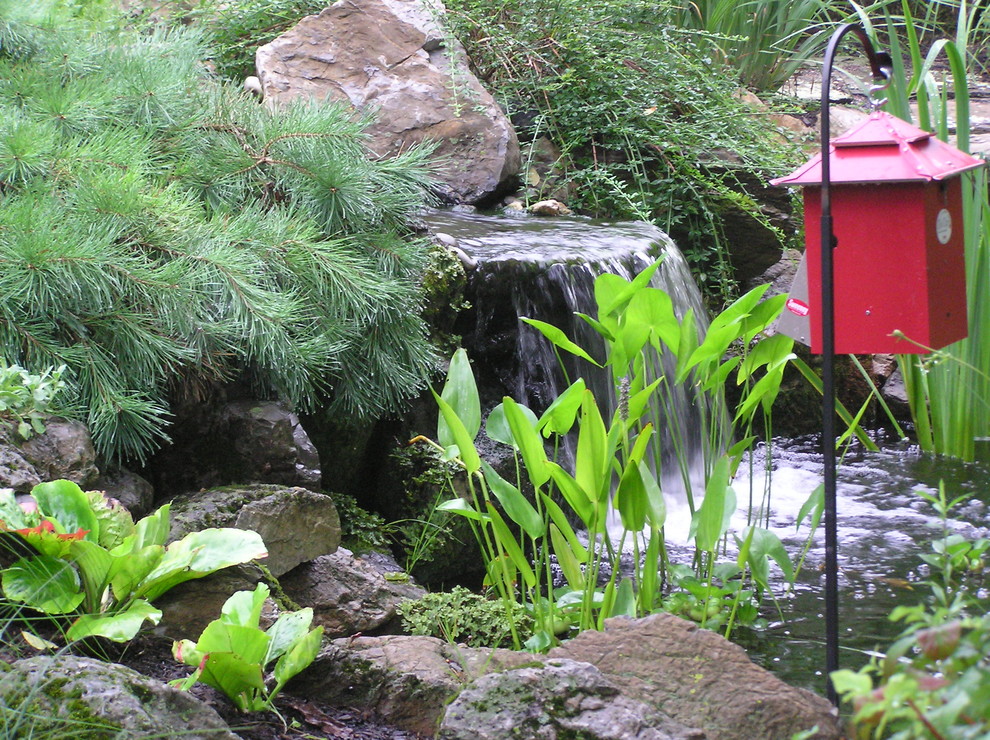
545,268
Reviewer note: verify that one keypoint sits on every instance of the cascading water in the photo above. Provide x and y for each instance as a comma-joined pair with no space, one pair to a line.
546,269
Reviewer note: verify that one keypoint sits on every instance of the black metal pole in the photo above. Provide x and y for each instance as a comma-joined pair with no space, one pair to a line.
828,243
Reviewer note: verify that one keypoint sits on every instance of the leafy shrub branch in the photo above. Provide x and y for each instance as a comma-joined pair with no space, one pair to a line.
160,232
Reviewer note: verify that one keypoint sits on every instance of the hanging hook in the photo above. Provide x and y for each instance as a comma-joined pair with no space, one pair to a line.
880,84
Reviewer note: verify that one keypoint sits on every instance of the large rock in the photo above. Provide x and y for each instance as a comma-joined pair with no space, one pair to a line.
561,699
407,681
700,679
63,450
231,442
67,696
349,594
394,58
296,524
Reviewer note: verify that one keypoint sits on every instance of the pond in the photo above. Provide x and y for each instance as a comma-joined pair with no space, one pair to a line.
884,526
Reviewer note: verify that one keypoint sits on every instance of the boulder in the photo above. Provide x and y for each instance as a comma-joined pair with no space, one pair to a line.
231,442
560,699
63,450
130,489
701,679
68,696
296,524
349,594
394,58
407,681
190,606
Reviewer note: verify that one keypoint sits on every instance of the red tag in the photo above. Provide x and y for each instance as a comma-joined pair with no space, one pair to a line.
797,307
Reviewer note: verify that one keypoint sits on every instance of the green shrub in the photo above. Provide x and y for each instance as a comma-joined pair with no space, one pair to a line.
636,109
161,233
461,616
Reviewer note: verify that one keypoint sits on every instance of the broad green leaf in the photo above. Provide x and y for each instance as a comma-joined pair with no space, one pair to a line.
458,435
630,498
581,502
613,295
242,681
153,529
514,503
740,309
711,519
506,542
559,339
769,351
813,505
497,428
461,392
299,656
653,309
461,507
566,559
244,607
625,600
248,643
766,545
199,554
689,342
94,565
528,441
762,316
716,380
64,503
560,415
115,522
120,626
288,629
591,468
47,584
130,567
656,504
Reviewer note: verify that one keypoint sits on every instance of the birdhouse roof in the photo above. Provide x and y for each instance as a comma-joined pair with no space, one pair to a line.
884,148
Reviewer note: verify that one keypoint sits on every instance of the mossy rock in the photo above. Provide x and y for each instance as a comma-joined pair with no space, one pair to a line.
87,699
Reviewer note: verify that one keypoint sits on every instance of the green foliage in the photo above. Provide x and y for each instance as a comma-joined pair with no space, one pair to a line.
26,398
617,463
233,652
461,616
761,42
635,108
88,558
360,529
160,233
934,681
238,28
949,390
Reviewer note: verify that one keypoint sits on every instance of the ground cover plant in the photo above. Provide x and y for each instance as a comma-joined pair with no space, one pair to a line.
160,232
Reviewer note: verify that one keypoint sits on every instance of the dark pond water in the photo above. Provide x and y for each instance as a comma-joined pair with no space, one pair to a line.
884,526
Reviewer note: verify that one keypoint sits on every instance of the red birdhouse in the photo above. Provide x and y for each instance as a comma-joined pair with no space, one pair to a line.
896,202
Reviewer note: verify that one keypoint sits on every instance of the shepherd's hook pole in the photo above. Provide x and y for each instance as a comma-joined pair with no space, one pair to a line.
880,65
